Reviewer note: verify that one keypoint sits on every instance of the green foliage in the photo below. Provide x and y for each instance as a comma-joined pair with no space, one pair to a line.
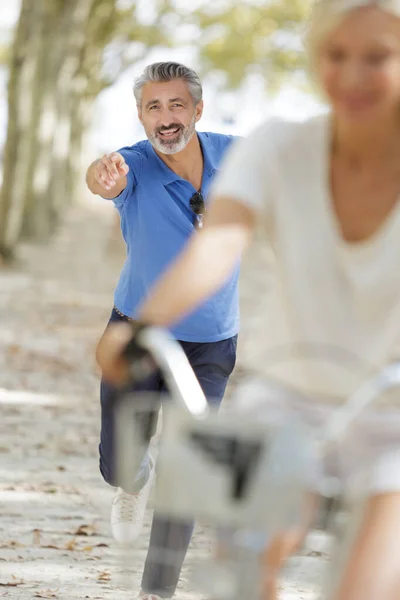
125,31
235,38
247,37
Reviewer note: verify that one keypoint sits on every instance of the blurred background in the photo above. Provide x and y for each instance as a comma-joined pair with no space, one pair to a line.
69,68
66,74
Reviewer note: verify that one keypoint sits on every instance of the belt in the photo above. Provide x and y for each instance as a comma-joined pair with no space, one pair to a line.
122,314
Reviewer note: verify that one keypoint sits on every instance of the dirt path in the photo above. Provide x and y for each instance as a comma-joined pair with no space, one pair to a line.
54,533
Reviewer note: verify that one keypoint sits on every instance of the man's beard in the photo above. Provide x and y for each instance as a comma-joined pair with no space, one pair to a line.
176,142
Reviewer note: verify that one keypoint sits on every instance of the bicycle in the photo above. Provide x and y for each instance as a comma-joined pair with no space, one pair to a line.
245,480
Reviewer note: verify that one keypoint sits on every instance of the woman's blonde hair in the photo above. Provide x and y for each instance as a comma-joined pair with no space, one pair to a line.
326,15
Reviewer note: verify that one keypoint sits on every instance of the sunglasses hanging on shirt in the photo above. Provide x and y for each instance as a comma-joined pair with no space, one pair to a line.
199,208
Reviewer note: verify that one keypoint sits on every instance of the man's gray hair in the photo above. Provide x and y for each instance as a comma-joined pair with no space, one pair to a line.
162,72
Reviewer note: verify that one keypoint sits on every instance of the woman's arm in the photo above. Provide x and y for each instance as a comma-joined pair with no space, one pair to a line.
204,266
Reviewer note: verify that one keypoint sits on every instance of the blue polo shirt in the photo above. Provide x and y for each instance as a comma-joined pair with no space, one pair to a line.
156,223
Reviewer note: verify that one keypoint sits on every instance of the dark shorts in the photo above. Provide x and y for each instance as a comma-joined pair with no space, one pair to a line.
212,363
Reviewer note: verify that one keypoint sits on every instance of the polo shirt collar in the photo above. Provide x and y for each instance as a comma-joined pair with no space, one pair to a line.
166,175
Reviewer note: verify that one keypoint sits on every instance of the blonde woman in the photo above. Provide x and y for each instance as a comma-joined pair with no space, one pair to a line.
326,193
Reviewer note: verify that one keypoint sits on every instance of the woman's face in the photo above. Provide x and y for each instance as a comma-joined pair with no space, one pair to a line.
359,67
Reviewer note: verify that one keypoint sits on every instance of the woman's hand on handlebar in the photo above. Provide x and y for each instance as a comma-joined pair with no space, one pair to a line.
120,355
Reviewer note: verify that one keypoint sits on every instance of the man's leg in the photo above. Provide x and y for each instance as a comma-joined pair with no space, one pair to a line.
128,509
169,540
109,398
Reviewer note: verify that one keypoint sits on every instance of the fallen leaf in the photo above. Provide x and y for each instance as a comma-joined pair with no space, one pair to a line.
104,576
13,583
85,530
45,594
13,349
70,545
87,549
11,544
36,537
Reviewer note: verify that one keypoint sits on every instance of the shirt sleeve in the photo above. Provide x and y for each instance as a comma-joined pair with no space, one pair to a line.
134,161
248,171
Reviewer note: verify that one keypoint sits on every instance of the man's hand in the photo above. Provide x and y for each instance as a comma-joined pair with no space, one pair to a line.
109,169
107,175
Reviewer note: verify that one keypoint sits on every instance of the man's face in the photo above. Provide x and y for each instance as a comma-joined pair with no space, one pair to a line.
168,115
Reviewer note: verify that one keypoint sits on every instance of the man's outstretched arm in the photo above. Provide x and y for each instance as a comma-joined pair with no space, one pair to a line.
106,176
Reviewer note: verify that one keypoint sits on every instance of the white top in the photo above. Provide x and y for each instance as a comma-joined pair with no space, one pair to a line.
333,314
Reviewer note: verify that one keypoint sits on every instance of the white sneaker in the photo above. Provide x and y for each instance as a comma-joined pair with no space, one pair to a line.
128,510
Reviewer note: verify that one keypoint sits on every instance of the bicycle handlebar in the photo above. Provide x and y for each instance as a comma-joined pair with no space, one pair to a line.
175,367
186,390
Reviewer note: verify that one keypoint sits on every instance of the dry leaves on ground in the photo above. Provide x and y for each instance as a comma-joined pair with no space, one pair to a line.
13,583
36,537
71,546
90,548
11,544
85,530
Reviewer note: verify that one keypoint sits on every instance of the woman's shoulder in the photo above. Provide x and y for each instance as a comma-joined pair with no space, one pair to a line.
285,134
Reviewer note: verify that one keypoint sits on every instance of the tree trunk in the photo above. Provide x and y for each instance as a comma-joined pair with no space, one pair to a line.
46,58
65,41
55,76
82,88
80,125
42,126
67,174
20,124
